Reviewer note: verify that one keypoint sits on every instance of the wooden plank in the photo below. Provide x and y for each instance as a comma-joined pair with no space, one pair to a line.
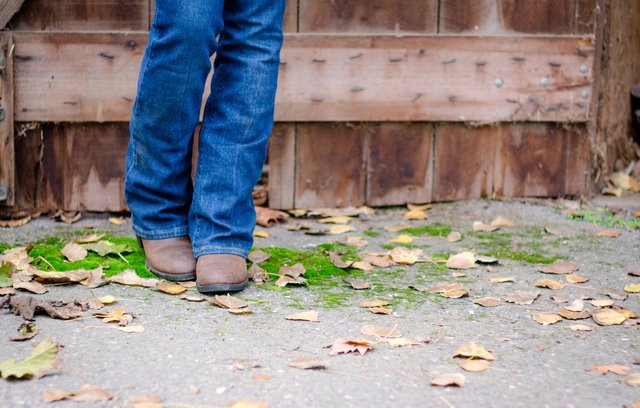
28,150
530,161
282,162
539,16
366,16
92,77
290,24
7,9
469,16
580,161
399,164
464,161
51,184
82,15
586,16
330,165
7,155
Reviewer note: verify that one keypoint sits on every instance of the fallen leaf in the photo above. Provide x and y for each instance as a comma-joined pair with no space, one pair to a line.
285,280
573,315
479,226
338,262
450,290
608,317
26,331
107,300
358,284
559,267
244,311
617,192
581,327
258,256
130,278
340,229
7,291
633,380
309,316
576,306
15,223
486,259
502,279
546,319
193,298
419,287
267,217
244,364
521,297
74,276
228,302
298,212
617,369
628,314
380,310
404,256
573,278
89,238
458,275
403,342
602,302
448,380
373,303
105,248
31,286
42,358
258,274
474,351
27,306
116,220
339,219
474,365
260,377
74,252
500,221
416,215
357,242
292,271
248,404
621,180
612,293
114,316
396,227
171,288
454,236
6,269
632,288
402,239
488,302
381,332
549,284
95,279
86,393
634,273
463,260
18,256
261,234
308,363
559,299
419,207
129,329
609,233
362,265
147,401
342,346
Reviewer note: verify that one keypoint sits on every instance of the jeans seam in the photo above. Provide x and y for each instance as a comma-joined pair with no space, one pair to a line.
219,250
162,234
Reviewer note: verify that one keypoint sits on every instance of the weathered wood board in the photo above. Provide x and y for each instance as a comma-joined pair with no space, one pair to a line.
7,162
92,78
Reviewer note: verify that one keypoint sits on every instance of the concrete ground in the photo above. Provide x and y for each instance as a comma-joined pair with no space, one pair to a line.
199,355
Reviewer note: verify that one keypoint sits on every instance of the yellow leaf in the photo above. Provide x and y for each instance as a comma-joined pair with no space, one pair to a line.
559,267
488,302
116,220
454,236
419,207
309,316
261,234
463,260
380,310
608,317
405,256
581,327
621,180
249,404
549,284
632,288
129,329
632,380
546,319
500,221
573,278
609,233
340,229
474,351
602,302
373,303
107,300
415,215
171,288
362,265
474,365
402,239
479,226
617,369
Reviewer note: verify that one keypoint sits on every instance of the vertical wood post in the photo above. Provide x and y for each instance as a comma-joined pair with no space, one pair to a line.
7,164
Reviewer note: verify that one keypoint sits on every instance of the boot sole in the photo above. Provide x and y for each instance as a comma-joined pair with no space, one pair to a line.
222,287
167,276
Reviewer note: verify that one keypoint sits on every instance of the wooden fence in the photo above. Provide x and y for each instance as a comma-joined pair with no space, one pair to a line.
379,102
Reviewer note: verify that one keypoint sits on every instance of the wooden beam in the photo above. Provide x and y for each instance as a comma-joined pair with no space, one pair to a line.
7,153
7,9
91,77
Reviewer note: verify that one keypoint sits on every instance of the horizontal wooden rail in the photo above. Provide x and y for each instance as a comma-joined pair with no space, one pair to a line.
91,77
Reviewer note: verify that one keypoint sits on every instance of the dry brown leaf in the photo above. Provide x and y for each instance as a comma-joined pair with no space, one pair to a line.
614,293
608,317
573,315
628,314
112,316
474,351
61,277
521,297
419,207
502,279
379,261
341,346
116,220
454,236
293,271
402,239
632,288
419,287
27,306
450,290
501,221
357,242
549,284
380,310
26,331
15,223
601,302
190,298
576,306
285,280
403,342
458,275
86,239
404,256
31,286
362,265
474,365
488,302
7,291
74,252
358,284
486,259
147,401
559,299
18,256
267,217
463,260
546,319
308,363
373,303
633,380
308,316
260,234
416,215
244,311
396,227
340,229
479,226
609,233
171,288
448,380
107,300
129,329
617,369
187,284
248,404
258,256
339,219
95,279
258,274
559,267
573,278
382,332
86,393
228,302
581,327
338,262
130,278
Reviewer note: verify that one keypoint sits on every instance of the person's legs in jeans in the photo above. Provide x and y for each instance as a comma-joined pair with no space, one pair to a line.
232,145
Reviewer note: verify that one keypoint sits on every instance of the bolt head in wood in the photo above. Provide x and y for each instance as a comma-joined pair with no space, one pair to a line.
498,82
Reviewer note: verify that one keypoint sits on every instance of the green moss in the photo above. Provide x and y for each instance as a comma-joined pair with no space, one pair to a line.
605,218
371,233
332,300
348,253
435,229
522,256
317,265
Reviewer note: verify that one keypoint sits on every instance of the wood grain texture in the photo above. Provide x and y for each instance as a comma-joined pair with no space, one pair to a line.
580,161
82,15
290,24
7,163
8,8
464,161
368,16
28,149
92,77
537,17
330,165
282,166
399,164
469,16
586,16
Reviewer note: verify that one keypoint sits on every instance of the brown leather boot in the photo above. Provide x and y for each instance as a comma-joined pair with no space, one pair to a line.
221,273
171,258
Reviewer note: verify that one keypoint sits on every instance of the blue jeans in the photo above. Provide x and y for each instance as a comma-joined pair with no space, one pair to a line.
216,209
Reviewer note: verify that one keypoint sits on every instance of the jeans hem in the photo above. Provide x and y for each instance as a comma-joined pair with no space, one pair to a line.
161,234
220,250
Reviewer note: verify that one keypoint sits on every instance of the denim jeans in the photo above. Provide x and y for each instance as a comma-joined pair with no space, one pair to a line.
216,208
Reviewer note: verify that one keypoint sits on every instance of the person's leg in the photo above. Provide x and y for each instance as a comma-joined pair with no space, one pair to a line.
158,184
233,139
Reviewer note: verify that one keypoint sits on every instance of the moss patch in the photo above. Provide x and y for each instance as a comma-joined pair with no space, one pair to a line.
435,229
605,219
